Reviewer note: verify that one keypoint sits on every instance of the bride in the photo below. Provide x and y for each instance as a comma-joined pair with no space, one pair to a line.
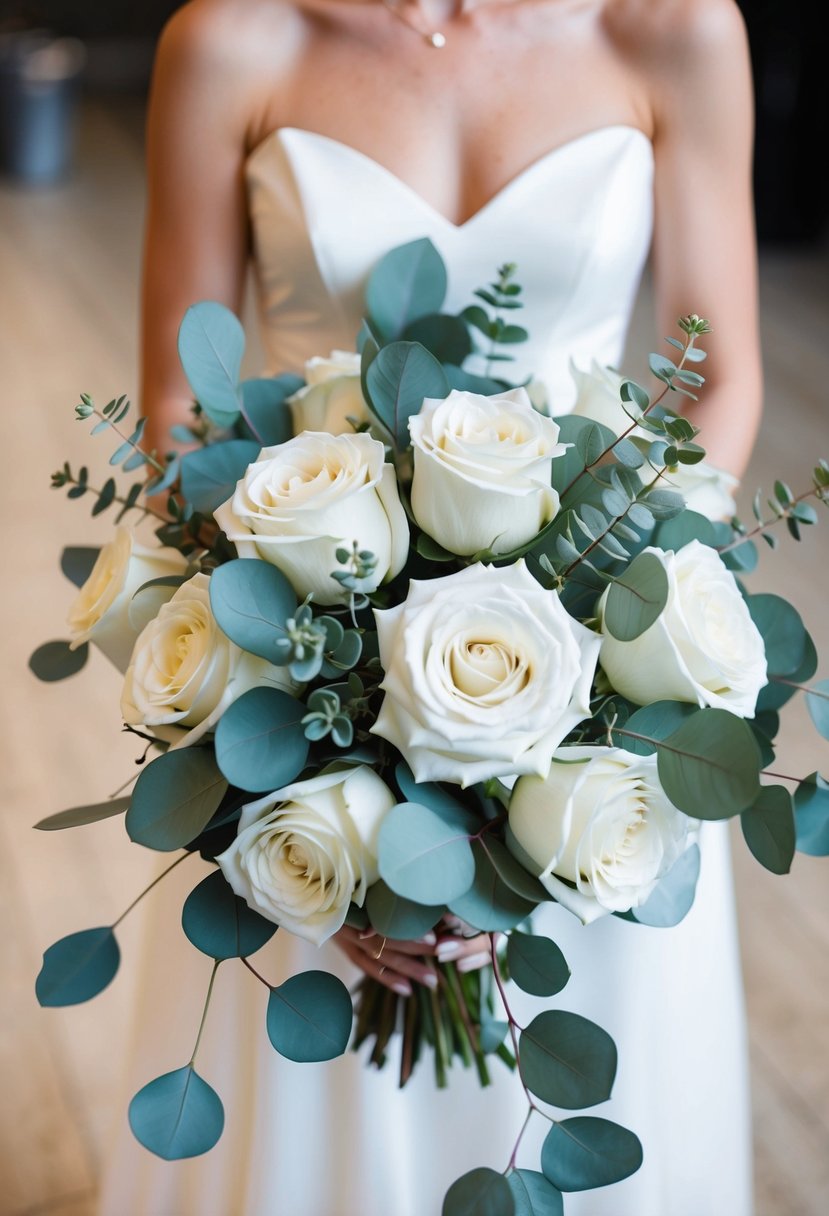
566,136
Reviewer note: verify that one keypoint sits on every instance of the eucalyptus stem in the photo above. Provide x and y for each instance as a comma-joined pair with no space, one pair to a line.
253,970
814,492
148,456
147,890
133,506
204,1012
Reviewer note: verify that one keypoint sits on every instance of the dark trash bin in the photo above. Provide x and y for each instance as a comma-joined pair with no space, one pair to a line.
38,84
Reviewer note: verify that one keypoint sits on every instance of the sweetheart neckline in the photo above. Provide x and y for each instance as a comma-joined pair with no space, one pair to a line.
514,183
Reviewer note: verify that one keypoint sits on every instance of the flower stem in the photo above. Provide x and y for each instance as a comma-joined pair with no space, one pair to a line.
146,890
204,1012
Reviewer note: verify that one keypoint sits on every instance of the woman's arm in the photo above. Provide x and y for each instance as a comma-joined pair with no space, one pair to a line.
704,243
196,236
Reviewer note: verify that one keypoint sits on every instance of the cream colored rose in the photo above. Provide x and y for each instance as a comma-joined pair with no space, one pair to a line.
332,395
598,397
485,674
304,853
304,499
704,647
185,672
483,471
100,610
598,829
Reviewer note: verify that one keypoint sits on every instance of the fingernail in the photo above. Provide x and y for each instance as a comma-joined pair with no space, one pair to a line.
365,934
447,950
428,939
402,988
473,961
429,979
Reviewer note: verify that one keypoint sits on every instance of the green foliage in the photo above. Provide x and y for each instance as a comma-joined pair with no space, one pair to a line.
406,284
534,1195
423,857
586,1152
811,803
174,798
536,964
220,924
398,380
501,296
490,904
266,417
481,1192
76,563
209,475
652,722
77,816
775,694
78,967
436,798
211,343
57,661
769,828
309,1017
682,529
782,631
636,598
251,601
260,743
398,918
445,336
710,767
177,1115
327,717
567,1060
468,382
672,899
817,703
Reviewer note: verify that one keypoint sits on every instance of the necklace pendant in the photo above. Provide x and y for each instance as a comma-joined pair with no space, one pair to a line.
437,40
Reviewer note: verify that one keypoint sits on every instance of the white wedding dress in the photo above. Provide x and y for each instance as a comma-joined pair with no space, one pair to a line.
337,1139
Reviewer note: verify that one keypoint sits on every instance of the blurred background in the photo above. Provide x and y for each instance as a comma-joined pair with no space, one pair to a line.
73,76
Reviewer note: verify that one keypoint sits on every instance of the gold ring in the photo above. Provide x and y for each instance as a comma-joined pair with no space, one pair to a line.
380,972
380,951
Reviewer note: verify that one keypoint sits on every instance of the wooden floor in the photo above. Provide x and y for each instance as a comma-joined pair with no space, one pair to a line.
68,272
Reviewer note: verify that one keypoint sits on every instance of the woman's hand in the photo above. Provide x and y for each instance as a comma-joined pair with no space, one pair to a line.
395,964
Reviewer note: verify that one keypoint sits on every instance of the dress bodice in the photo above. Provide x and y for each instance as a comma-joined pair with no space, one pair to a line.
577,222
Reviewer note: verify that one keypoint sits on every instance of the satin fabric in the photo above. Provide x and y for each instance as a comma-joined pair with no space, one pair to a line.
339,1139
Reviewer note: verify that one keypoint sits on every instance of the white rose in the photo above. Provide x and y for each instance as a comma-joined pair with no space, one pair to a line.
600,821
704,646
304,499
706,489
331,395
305,852
483,470
100,610
485,674
185,672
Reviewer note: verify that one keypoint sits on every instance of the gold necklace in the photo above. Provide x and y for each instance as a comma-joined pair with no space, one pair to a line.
434,39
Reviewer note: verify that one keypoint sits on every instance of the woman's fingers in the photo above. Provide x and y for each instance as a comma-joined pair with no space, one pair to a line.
461,950
376,969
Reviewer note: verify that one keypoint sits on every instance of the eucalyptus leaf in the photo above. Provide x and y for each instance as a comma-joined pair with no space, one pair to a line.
468,382
776,693
77,562
489,904
567,1060
710,767
209,475
57,661
636,598
437,799
769,828
260,740
309,1017
220,924
673,897
585,1152
266,414
78,967
211,343
534,1195
398,918
444,335
682,529
424,858
811,803
251,601
817,703
77,816
175,798
481,1192
398,380
407,283
177,1115
782,631
536,964
652,722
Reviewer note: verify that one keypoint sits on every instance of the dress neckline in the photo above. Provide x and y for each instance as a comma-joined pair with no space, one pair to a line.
280,134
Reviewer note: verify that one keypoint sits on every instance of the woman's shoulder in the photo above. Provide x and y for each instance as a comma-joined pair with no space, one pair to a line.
230,35
674,33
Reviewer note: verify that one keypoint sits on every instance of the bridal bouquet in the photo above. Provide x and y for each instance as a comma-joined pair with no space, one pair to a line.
412,654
